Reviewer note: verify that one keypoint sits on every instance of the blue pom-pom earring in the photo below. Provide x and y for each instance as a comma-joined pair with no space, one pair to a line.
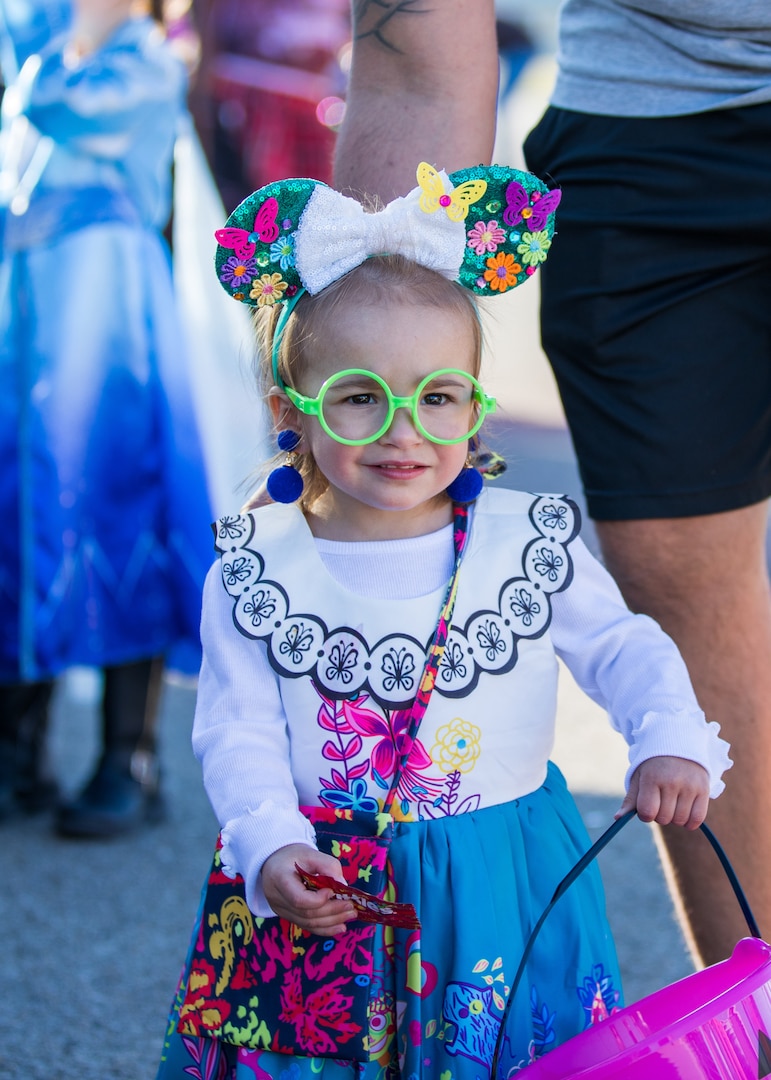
285,483
467,485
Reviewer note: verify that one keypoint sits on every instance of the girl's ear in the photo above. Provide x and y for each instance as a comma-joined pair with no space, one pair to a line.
284,414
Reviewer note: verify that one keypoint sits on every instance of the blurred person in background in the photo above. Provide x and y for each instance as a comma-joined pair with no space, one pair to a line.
102,489
269,91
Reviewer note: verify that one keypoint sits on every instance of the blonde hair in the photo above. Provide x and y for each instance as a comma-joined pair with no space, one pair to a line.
383,279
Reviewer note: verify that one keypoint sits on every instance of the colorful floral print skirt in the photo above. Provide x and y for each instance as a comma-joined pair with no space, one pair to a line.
479,881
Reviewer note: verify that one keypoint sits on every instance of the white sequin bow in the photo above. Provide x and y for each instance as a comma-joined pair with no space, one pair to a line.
335,234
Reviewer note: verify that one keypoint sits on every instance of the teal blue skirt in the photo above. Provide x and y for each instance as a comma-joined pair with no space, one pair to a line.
479,882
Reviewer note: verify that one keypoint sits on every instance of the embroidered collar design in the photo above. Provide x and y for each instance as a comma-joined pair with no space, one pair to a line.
343,664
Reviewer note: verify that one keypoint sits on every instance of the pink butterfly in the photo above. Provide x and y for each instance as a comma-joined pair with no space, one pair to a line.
245,243
533,209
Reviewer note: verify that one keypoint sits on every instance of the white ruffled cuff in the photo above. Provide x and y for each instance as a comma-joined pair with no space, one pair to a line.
682,736
248,840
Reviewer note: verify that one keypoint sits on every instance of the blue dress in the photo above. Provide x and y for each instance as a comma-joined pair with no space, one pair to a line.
478,862
433,1020
105,541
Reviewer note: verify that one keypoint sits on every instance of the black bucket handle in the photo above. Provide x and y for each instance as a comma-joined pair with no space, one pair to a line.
588,857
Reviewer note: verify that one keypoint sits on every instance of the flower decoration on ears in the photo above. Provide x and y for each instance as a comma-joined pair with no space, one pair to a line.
489,228
508,231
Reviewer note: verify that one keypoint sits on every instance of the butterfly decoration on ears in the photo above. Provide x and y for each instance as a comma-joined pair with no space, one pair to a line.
533,208
244,242
495,232
455,202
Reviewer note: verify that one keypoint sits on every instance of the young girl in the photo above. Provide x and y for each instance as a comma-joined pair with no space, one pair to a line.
317,620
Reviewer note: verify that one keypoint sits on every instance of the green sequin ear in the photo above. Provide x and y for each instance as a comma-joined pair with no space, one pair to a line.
255,258
508,231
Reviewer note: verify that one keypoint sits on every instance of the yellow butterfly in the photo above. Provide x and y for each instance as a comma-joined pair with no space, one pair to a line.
456,201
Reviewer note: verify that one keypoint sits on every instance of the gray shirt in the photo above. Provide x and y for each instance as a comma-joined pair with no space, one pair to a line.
663,57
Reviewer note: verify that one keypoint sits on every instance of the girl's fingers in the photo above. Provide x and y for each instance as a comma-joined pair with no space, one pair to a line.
683,809
316,911
698,812
649,803
630,799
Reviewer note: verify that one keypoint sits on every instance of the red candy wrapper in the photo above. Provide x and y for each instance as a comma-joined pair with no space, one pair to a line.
368,908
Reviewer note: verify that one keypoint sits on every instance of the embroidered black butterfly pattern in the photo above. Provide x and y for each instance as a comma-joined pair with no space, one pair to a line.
554,517
230,528
489,638
297,641
547,563
342,657
260,606
453,663
398,666
237,570
524,606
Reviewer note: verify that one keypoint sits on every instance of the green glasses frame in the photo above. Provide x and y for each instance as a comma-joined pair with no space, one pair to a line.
313,406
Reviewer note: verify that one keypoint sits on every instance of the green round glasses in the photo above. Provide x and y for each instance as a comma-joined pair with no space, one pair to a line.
356,406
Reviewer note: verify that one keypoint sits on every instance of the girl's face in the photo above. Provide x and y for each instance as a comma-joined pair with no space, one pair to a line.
394,487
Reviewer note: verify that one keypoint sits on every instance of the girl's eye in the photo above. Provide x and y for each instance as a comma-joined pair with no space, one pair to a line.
435,398
361,399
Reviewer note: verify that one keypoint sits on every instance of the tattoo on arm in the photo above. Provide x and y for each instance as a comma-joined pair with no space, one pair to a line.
371,18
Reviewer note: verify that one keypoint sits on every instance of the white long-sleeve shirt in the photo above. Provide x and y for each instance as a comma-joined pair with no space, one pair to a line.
250,756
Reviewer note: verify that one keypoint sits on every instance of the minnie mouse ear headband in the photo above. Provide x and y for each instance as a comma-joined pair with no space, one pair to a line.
489,228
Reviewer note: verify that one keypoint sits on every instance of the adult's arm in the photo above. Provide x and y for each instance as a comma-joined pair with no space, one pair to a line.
423,87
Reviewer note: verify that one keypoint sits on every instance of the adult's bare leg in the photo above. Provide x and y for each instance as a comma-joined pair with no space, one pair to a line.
423,87
705,580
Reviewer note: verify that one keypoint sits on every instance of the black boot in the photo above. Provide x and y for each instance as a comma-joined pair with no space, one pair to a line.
124,792
26,783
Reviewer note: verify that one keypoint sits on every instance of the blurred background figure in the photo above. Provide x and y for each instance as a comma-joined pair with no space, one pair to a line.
105,543
269,92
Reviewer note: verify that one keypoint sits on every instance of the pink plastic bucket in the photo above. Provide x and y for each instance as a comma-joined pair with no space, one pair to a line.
713,1025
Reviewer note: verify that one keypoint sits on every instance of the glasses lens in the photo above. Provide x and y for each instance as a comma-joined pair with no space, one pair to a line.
354,406
448,406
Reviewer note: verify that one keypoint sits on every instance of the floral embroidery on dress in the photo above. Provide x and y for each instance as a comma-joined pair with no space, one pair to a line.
209,1059
598,995
367,742
455,751
457,746
543,1024
350,723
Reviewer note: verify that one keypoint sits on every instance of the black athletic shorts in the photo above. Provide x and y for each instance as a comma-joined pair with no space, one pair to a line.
656,306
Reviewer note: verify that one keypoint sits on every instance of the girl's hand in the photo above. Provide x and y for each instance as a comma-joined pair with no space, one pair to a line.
669,791
317,912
